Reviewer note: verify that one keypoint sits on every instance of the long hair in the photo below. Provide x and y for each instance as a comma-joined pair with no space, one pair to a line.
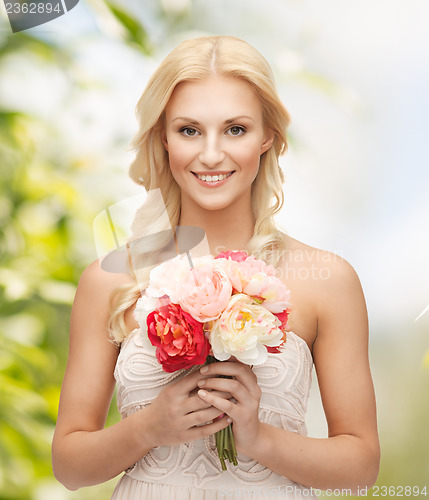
197,59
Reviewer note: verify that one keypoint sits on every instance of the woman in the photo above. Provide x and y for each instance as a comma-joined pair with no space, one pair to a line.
211,130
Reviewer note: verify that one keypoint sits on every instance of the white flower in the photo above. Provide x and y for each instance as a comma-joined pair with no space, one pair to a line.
243,330
144,306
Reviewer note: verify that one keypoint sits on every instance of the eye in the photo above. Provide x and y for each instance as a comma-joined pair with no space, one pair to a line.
237,130
188,131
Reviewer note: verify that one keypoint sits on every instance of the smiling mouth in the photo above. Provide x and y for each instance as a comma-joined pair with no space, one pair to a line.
213,178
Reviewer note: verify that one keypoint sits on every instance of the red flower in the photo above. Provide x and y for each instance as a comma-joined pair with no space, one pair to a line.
283,316
238,256
178,337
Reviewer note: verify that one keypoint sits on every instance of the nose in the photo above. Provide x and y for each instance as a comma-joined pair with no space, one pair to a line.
211,153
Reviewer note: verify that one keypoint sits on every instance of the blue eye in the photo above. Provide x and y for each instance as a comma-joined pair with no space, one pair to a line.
188,131
237,130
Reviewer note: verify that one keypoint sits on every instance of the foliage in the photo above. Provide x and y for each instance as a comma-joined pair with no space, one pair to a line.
47,207
135,33
43,216
46,210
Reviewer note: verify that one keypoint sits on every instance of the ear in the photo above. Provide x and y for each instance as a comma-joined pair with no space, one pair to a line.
164,139
268,141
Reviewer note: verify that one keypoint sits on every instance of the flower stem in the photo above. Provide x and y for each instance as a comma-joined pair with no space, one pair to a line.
224,438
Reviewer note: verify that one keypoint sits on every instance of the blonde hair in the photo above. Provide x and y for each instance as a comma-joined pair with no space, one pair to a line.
197,59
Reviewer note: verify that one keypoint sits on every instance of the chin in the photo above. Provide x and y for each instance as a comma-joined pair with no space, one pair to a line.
214,207
215,202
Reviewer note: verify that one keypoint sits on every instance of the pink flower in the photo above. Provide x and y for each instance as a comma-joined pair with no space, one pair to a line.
271,290
240,272
179,339
206,291
168,277
254,266
237,255
256,278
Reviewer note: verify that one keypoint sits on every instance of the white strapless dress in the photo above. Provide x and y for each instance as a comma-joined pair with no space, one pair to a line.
192,471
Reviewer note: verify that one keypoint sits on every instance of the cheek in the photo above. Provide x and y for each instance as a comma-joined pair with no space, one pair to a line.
248,155
179,156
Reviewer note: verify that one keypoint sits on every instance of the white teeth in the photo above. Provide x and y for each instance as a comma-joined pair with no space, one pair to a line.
213,178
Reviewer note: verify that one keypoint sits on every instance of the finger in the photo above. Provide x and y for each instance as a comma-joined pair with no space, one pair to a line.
202,417
228,368
185,385
225,395
195,403
224,405
209,429
233,386
236,369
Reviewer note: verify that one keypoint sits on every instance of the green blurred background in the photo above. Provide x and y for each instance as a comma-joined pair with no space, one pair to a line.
355,80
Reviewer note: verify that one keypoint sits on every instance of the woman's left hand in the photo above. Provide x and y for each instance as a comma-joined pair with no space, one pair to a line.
246,394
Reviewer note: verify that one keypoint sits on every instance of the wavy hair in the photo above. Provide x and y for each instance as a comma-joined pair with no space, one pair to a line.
197,59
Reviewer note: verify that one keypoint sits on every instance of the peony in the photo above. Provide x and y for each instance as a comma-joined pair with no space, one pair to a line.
244,330
241,271
282,317
271,290
236,255
232,269
168,277
256,278
206,291
145,305
252,266
179,339
140,312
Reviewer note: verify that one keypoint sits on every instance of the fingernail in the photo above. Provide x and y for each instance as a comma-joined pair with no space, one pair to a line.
229,420
201,383
202,393
204,369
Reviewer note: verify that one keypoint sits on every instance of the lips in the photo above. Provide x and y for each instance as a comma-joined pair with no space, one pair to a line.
213,177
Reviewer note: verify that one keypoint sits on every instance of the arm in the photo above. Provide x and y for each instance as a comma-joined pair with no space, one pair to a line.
84,453
349,457
81,450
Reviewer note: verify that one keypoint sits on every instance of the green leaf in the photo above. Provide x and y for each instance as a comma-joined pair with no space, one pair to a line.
136,33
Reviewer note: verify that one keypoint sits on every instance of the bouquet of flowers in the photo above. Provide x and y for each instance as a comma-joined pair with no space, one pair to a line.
223,306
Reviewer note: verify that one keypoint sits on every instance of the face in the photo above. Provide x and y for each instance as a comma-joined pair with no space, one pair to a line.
214,135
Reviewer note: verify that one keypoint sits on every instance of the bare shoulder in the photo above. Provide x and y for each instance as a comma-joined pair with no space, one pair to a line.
94,276
320,282
316,268
95,292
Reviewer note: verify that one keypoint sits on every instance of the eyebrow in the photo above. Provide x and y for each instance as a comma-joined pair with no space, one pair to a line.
226,122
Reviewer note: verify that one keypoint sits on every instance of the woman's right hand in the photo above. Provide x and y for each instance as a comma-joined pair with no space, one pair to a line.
178,415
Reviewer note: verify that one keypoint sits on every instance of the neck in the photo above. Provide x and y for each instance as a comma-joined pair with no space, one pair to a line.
230,228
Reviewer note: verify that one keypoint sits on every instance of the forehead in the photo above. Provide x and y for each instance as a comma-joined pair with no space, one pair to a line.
216,94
